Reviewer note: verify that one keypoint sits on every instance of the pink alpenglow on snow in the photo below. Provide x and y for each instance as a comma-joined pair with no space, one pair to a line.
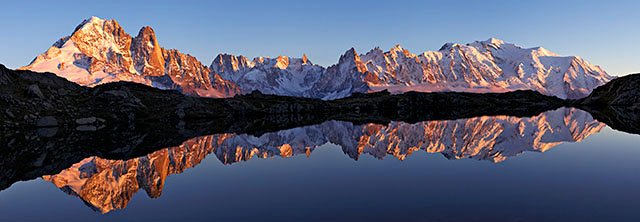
100,51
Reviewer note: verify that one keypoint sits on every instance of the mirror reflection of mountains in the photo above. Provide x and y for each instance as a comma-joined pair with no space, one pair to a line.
106,185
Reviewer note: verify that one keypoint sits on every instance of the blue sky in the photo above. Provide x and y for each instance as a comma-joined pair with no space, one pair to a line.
604,33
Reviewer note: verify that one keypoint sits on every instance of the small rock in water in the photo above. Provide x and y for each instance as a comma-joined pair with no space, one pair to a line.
47,132
9,114
86,121
86,128
47,121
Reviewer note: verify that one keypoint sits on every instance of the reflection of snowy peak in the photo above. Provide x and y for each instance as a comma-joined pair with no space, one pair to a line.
99,51
106,185
482,138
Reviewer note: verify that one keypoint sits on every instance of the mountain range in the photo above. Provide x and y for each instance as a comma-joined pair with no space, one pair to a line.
100,51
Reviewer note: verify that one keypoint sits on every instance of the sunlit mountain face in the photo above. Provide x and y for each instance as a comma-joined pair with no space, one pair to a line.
99,51
106,185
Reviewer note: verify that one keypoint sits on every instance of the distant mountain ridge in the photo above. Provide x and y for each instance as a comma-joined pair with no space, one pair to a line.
99,51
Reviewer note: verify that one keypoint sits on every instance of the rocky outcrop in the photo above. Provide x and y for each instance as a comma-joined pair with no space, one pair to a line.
146,52
342,79
616,103
188,75
37,100
622,91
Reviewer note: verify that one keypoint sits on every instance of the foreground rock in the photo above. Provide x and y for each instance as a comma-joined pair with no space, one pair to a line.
623,91
616,103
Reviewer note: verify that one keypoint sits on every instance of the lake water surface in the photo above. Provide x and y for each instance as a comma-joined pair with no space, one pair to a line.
561,165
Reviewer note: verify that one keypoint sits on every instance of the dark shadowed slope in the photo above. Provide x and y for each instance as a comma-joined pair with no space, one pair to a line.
616,103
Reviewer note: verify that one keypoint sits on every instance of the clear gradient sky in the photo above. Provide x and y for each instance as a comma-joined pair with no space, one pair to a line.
606,33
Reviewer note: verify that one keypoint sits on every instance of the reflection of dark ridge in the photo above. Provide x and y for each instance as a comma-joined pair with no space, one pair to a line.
622,118
616,103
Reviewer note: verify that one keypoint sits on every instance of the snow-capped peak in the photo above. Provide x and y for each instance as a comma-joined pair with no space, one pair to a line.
147,53
282,62
349,56
93,20
147,31
397,48
494,41
100,51
448,46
